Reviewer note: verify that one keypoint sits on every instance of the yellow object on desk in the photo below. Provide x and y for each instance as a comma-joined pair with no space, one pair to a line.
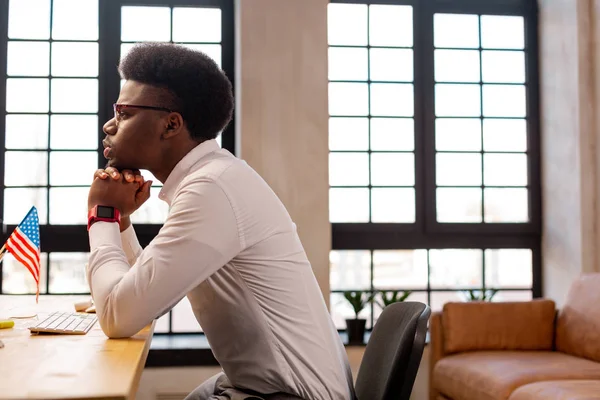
5,324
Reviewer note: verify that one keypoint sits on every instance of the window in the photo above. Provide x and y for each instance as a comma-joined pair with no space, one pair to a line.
59,81
434,150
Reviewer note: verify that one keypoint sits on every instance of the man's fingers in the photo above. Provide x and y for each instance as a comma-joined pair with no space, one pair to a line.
100,173
128,175
144,193
113,172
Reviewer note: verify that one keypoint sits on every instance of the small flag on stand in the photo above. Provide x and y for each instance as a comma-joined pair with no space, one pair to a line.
24,245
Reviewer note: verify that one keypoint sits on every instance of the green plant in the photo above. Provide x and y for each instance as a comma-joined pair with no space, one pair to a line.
480,295
394,297
358,299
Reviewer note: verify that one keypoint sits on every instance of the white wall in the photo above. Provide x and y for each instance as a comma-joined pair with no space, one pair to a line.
569,127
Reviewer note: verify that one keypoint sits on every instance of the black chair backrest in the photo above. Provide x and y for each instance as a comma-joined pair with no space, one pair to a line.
393,354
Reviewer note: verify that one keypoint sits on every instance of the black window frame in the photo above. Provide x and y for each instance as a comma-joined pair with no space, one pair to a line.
426,232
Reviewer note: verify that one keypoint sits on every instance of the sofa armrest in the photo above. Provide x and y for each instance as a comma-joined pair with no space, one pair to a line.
436,349
473,326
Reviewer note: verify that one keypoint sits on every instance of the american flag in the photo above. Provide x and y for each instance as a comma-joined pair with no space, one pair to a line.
24,245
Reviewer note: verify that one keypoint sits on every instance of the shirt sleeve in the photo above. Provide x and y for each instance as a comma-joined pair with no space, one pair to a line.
131,245
199,236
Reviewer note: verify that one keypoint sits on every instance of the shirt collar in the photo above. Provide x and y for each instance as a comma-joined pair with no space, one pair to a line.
183,166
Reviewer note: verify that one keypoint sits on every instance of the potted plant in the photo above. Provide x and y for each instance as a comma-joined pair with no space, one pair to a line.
394,297
356,327
479,295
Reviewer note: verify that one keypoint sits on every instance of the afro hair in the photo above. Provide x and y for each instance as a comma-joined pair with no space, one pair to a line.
197,88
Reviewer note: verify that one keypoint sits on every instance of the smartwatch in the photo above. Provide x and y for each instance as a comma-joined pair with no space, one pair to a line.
103,213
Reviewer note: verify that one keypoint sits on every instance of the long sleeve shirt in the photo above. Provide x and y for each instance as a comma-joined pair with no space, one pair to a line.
230,246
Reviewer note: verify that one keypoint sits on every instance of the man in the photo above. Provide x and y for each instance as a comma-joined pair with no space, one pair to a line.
228,243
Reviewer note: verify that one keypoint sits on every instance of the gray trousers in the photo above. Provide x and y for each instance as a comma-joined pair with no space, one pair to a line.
219,388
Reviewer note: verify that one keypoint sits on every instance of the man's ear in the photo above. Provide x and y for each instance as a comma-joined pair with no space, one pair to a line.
174,125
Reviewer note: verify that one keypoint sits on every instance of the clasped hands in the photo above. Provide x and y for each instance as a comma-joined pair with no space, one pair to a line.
125,190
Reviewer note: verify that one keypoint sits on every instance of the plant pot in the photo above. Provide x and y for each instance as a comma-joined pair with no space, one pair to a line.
356,331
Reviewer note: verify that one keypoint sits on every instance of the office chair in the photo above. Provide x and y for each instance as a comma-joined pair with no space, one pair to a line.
393,354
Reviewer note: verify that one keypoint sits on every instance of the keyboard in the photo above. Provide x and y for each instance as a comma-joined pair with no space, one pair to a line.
69,323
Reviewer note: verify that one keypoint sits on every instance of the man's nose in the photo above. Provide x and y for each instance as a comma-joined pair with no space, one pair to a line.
110,127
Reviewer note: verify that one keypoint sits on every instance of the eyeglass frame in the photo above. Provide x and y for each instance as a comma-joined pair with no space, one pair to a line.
117,106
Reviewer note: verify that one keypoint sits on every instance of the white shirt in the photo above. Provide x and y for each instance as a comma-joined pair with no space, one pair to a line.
230,245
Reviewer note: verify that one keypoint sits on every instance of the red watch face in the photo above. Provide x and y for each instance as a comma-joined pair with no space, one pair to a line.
103,213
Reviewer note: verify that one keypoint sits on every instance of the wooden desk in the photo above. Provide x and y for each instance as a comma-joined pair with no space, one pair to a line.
87,366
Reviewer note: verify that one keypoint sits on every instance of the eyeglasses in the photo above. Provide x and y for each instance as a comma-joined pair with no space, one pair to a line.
118,108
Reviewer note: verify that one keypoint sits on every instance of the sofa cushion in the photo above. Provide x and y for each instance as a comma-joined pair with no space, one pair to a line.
559,390
578,324
526,325
494,375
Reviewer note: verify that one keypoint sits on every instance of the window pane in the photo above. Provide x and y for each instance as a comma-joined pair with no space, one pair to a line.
455,268
154,211
406,269
65,64
68,206
349,205
420,297
75,95
504,134
25,168
183,317
27,95
74,132
392,134
348,134
504,101
505,169
342,310
162,324
26,131
350,269
502,32
67,273
392,99
513,295
347,24
393,205
458,134
508,268
348,99
211,50
16,278
390,25
503,66
462,169
75,19
72,168
456,30
438,299
349,64
457,100
392,169
348,169
391,65
506,205
458,205
145,24
28,58
457,66
29,19
196,24
18,201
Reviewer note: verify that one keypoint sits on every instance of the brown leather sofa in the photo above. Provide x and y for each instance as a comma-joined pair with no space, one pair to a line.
518,350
